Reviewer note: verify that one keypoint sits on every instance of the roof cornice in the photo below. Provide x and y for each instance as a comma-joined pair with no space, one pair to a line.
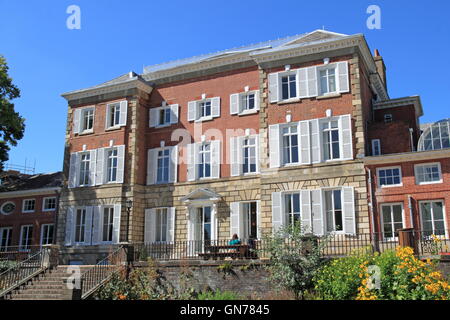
399,102
132,83
31,192
407,157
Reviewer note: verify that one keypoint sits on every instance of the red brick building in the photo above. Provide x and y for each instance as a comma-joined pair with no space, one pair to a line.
241,141
28,209
409,173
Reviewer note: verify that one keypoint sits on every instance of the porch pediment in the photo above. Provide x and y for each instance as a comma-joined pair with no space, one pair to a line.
201,195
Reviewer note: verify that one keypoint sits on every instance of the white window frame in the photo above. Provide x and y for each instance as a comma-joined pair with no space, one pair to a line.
282,135
289,216
47,225
199,155
85,209
158,157
374,143
416,168
432,215
89,183
391,204
172,111
281,75
9,231
110,224
333,209
244,146
83,112
24,205
163,228
388,118
43,204
244,100
329,130
108,116
107,165
389,185
30,239
336,79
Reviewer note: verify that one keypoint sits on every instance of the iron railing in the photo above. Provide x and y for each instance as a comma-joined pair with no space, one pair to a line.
333,245
194,250
96,276
432,243
16,253
20,272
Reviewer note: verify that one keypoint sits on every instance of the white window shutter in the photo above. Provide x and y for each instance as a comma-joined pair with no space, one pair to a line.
302,75
149,228
258,220
349,210
69,236
174,113
316,154
305,200
88,226
191,163
257,152
346,136
312,82
235,219
215,159
173,164
92,167
278,216
305,145
170,224
274,91
192,110
120,164
77,121
257,100
97,223
215,107
274,146
123,113
101,167
234,161
234,103
116,223
318,225
342,70
154,117
73,169
152,164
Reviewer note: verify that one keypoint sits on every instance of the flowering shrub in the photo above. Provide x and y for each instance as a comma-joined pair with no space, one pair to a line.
401,277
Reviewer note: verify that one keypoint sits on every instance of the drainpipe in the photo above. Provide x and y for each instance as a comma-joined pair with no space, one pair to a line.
411,139
372,218
410,211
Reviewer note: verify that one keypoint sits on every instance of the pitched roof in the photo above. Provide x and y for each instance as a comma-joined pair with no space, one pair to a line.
22,182
303,39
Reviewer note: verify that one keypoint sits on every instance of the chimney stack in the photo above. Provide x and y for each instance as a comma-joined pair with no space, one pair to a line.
381,67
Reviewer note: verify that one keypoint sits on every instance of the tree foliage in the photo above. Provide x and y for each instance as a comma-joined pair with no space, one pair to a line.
295,257
12,125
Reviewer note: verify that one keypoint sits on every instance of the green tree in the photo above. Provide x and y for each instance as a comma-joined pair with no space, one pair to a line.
295,257
12,125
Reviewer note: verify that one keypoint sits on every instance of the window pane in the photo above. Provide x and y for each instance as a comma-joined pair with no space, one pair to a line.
438,211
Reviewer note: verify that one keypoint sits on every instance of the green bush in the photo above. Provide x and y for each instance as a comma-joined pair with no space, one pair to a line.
218,295
401,277
339,278
294,259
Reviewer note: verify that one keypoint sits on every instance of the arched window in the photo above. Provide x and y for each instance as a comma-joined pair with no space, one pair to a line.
436,136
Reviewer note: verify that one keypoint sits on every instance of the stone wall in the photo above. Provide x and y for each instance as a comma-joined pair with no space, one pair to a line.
249,279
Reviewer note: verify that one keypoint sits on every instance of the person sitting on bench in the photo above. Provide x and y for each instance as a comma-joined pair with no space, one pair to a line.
234,240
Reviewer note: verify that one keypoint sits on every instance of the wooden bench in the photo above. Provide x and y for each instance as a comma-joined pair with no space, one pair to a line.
232,251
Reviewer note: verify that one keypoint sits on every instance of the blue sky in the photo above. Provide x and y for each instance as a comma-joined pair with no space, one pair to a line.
47,59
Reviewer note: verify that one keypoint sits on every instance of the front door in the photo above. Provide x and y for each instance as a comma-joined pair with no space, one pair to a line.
202,228
249,220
